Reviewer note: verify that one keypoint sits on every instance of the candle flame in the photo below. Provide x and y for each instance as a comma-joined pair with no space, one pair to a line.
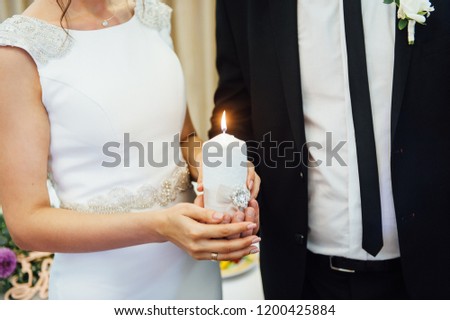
224,122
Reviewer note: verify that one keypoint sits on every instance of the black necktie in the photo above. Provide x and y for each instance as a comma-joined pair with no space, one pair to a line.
362,118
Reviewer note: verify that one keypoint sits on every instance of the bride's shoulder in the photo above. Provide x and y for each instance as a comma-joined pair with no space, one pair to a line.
40,39
154,13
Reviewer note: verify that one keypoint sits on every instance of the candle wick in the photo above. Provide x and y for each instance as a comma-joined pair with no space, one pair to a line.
224,130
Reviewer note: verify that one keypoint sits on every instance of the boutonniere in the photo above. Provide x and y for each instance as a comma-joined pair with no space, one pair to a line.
411,12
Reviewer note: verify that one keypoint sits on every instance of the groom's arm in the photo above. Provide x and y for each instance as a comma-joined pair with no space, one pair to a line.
232,93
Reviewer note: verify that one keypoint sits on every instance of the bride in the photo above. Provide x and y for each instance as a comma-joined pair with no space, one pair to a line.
79,75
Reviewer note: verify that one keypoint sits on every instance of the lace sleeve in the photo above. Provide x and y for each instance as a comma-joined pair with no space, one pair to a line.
42,41
157,15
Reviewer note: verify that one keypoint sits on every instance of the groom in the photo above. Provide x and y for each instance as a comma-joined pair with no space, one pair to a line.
363,210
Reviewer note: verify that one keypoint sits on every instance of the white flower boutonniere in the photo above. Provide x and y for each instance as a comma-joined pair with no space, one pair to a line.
410,12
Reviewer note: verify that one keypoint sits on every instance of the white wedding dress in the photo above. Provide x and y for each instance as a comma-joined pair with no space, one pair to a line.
103,87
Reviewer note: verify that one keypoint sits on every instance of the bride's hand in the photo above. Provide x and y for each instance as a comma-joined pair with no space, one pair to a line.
250,214
200,233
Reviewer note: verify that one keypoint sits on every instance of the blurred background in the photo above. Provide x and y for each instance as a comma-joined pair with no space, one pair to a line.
193,33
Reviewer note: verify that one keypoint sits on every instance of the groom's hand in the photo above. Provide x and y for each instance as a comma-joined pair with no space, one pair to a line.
251,214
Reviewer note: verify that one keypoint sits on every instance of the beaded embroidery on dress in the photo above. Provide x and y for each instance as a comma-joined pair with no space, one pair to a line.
121,200
41,40
154,14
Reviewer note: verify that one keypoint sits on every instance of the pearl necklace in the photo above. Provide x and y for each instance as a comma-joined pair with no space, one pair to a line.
105,22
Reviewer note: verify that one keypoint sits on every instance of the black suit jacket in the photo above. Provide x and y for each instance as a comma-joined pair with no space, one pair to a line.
258,64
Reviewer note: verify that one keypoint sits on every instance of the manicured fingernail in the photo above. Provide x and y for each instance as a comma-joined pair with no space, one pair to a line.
251,226
256,240
254,251
250,185
217,215
250,213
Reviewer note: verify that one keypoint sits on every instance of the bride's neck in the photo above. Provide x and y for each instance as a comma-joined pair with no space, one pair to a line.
94,6
98,8
86,14
81,14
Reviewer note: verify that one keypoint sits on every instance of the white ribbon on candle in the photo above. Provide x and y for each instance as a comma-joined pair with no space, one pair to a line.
236,198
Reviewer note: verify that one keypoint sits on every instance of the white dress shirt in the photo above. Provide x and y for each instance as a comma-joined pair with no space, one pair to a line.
335,223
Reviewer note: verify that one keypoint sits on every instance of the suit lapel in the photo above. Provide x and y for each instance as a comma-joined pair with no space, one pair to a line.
284,21
403,52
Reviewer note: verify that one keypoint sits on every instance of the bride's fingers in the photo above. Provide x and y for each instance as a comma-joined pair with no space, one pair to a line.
225,246
198,213
209,227
219,231
222,246
236,255
197,247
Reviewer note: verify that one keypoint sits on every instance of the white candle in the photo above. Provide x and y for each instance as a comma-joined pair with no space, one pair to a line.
225,172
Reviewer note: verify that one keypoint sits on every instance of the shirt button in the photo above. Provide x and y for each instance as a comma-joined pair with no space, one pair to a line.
301,174
299,238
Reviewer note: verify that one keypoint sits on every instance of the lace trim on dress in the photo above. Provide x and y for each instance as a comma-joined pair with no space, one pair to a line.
121,200
43,41
153,14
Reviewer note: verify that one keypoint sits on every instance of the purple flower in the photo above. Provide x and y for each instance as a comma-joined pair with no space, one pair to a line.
8,262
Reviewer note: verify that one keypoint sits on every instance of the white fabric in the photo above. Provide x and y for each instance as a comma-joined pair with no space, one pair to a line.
117,80
334,196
